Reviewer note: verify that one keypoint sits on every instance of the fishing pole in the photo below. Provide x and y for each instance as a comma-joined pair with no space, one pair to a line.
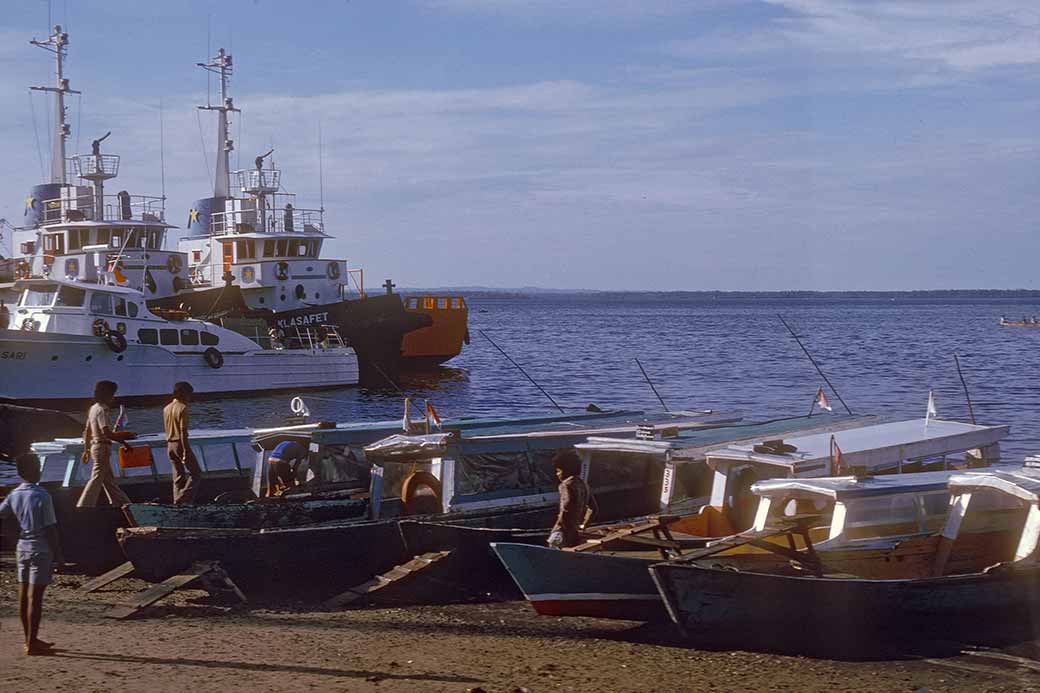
965,386
815,365
651,384
540,388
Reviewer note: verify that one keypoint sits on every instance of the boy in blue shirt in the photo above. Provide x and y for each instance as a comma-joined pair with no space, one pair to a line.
38,550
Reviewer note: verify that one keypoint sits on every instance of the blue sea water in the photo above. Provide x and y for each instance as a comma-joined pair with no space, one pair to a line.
882,354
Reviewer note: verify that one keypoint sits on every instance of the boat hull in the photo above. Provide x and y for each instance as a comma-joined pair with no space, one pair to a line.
60,368
282,512
705,600
569,583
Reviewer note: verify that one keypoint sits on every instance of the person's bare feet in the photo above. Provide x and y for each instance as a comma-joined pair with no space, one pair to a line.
38,647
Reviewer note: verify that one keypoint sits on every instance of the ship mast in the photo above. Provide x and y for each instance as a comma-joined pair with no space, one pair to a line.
220,65
57,44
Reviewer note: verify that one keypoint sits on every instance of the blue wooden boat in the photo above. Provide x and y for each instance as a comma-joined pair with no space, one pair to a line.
704,598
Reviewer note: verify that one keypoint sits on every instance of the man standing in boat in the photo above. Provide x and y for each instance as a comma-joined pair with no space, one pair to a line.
577,504
98,437
186,472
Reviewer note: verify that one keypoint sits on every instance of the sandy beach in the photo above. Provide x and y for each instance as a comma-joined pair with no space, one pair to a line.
192,641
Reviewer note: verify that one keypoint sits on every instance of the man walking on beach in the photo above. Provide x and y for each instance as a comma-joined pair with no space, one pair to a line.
98,437
577,504
38,550
186,472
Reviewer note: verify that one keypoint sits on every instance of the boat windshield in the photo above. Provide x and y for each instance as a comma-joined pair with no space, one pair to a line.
40,296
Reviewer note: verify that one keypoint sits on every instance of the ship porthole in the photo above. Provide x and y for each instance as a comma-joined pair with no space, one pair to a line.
261,299
89,357
119,358
54,358
316,295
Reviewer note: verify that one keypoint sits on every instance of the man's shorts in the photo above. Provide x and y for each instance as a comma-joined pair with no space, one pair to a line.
34,567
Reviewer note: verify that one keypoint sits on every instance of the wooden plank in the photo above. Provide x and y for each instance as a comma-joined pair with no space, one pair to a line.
1023,662
120,571
157,592
398,575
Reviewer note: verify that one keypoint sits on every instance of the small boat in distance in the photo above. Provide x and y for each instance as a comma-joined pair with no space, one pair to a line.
1024,322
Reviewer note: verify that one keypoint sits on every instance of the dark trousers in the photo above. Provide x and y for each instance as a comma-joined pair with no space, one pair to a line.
186,473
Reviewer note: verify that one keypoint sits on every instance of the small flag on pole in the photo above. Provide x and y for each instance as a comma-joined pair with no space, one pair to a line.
431,415
931,412
406,423
821,400
835,457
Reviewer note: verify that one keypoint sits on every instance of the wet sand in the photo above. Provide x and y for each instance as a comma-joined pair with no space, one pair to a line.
193,642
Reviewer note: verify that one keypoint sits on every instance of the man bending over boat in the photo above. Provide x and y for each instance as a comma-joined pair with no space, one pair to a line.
282,466
98,437
577,504
38,550
186,471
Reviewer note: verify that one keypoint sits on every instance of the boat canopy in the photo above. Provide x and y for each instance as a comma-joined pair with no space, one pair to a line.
1022,483
846,488
404,448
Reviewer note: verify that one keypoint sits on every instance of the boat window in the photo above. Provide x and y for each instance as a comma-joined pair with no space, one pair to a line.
882,511
42,297
133,239
315,248
269,248
209,339
148,336
71,296
189,337
244,250
132,309
442,303
168,337
220,456
301,249
54,243
120,305
456,303
101,303
282,249
155,239
78,238
103,236
116,240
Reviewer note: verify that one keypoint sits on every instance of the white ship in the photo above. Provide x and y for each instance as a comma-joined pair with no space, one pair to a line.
66,335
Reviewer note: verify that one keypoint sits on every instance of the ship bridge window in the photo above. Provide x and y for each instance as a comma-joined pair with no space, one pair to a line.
115,240
78,238
245,250
132,309
282,248
168,337
209,339
70,296
41,297
189,337
148,336
54,244
155,239
103,236
302,248
442,303
134,239
269,248
315,248
101,303
120,305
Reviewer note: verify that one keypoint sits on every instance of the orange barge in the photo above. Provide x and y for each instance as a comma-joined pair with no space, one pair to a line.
428,347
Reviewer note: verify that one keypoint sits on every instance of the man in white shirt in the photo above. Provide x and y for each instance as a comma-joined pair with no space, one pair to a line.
38,550
97,447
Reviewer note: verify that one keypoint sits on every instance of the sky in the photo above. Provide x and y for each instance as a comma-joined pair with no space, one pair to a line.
579,144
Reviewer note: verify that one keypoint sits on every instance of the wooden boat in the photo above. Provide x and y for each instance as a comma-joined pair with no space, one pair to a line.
1019,323
703,597
442,340
607,578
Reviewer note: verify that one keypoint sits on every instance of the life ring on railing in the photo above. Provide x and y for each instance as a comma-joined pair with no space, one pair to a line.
30,325
22,270
173,264
214,359
115,341
100,327
332,271
281,271
413,502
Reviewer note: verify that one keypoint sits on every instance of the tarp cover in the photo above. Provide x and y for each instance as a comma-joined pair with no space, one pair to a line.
402,448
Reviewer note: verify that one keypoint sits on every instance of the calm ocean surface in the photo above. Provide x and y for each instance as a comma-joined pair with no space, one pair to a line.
883,355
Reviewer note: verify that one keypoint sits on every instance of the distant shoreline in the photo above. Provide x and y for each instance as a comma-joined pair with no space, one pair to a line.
487,292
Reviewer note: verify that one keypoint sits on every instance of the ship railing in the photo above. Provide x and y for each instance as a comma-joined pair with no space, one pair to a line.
90,166
284,219
357,277
116,208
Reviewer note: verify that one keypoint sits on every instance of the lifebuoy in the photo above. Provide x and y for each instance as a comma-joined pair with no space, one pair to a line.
115,341
410,492
173,264
214,359
100,327
30,325
22,270
281,271
332,271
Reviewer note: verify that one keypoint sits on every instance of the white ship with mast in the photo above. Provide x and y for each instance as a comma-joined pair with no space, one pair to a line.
81,316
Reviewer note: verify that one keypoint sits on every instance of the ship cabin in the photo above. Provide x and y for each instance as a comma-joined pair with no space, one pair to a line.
265,244
78,308
78,232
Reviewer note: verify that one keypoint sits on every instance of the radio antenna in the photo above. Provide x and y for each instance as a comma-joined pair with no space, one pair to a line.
321,169
162,155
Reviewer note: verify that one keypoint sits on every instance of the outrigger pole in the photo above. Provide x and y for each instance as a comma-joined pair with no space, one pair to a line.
971,411
651,384
815,365
540,388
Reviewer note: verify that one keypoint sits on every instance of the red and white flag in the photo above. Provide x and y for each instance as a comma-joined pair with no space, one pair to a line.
406,423
835,457
821,400
431,415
